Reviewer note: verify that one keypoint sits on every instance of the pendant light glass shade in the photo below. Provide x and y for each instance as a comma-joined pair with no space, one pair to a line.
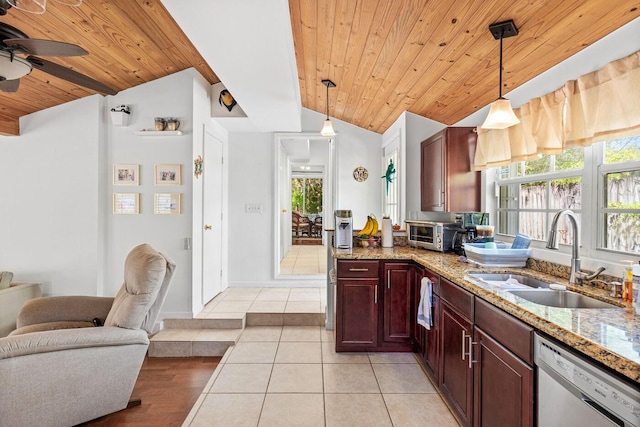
501,115
327,129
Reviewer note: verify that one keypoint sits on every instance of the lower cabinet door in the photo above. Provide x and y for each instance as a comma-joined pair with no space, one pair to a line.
430,345
503,385
398,317
456,373
357,315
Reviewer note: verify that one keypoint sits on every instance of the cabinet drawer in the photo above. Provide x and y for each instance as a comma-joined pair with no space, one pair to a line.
358,268
506,329
457,297
435,280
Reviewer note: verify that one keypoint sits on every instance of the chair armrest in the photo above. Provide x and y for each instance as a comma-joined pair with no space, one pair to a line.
70,339
63,308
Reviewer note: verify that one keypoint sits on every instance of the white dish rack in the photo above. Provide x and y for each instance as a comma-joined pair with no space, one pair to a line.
501,256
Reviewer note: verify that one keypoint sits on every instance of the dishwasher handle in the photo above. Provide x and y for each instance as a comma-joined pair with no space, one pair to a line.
586,399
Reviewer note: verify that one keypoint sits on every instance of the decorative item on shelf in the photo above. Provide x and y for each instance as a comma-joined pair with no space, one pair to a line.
160,123
197,167
172,124
501,115
360,174
327,129
120,115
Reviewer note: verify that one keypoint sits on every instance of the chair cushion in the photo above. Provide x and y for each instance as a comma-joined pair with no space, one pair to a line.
52,326
144,273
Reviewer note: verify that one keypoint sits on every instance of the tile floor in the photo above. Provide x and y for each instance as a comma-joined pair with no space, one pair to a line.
305,259
291,376
282,374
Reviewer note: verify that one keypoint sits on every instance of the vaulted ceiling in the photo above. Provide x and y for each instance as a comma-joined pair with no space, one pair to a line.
436,59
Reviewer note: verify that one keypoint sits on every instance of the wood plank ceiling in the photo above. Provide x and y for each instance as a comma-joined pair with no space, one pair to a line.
433,58
130,42
436,59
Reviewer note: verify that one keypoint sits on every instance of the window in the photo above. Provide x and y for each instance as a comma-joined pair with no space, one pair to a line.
306,195
391,190
619,185
531,192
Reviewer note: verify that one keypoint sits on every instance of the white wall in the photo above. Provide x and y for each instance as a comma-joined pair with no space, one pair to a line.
49,211
171,96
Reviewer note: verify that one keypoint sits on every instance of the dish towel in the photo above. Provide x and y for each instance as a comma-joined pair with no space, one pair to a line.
424,308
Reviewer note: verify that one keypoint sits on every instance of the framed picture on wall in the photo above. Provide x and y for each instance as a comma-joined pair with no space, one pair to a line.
167,203
169,174
126,174
126,203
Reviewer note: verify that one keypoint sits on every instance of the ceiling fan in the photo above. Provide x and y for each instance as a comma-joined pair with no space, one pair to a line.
13,67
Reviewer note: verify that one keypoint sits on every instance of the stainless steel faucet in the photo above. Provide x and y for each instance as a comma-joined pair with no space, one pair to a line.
576,276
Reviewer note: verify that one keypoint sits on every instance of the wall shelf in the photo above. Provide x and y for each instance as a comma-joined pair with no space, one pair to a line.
158,132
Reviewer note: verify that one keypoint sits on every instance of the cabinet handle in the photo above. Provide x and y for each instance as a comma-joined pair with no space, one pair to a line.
358,269
468,354
389,279
375,295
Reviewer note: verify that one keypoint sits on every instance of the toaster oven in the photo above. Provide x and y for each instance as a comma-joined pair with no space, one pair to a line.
435,236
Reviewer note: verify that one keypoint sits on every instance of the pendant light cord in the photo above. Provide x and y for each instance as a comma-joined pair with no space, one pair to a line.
327,101
501,37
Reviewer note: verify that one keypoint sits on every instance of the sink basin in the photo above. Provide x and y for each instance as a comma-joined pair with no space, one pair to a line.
564,299
506,278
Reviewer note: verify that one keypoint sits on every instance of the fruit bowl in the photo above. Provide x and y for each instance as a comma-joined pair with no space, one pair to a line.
369,242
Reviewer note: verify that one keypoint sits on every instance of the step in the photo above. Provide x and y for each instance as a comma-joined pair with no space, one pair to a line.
211,321
286,319
192,342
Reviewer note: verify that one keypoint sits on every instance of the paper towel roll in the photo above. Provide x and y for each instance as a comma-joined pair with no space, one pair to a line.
387,233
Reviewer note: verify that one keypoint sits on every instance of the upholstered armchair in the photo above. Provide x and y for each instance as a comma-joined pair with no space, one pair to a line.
61,368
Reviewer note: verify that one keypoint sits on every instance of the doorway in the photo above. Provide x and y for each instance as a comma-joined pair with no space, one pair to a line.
306,162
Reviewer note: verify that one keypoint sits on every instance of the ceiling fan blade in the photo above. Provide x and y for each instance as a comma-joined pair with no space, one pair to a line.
9,85
70,75
45,47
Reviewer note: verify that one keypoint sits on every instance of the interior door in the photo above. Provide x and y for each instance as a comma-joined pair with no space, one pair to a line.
212,218
285,203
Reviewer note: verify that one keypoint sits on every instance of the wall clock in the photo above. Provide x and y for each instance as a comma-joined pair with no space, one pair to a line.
360,174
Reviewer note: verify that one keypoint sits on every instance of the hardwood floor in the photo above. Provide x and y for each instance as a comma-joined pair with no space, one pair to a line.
168,387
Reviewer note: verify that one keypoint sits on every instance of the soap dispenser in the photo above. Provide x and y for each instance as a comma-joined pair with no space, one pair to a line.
627,283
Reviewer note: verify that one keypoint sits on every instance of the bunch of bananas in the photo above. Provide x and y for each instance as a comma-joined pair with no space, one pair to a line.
370,228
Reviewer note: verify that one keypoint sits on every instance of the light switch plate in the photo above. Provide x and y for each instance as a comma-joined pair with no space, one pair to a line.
253,208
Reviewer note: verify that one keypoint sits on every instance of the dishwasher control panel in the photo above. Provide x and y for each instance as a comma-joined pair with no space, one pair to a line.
593,384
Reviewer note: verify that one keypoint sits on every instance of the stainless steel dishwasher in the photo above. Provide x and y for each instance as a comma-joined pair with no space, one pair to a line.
573,391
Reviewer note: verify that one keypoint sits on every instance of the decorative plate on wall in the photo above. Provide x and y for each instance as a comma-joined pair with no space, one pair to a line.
360,174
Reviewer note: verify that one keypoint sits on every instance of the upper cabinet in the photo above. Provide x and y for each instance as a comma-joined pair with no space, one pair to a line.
447,180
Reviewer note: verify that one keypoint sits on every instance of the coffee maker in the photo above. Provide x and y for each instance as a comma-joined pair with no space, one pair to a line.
466,230
343,238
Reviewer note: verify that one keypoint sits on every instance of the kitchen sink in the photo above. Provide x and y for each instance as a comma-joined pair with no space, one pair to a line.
564,299
507,280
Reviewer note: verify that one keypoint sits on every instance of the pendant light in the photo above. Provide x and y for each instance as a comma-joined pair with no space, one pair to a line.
327,129
501,114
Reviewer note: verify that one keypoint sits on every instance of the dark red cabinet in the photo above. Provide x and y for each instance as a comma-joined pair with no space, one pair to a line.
398,318
447,180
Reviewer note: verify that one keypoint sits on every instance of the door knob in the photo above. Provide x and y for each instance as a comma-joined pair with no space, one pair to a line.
207,227
284,210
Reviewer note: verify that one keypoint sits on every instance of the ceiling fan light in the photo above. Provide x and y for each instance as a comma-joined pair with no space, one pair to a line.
501,115
327,129
31,6
13,69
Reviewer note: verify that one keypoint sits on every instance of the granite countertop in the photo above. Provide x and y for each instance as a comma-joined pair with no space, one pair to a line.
610,336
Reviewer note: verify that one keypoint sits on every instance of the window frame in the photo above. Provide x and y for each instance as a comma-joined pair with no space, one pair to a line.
592,204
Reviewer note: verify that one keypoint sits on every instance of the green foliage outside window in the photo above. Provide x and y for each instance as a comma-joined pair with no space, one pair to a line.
306,195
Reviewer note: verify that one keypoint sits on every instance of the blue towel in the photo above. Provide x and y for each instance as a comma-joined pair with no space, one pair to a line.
424,308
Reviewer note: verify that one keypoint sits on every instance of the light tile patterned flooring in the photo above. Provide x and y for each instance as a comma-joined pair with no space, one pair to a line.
291,375
305,259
